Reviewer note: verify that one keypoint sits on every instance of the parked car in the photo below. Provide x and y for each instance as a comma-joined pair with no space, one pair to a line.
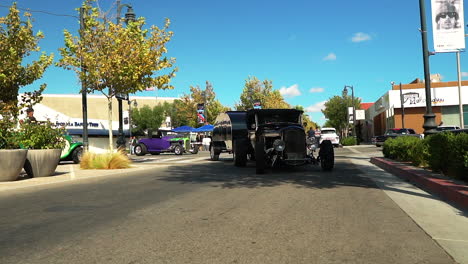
329,133
393,133
270,137
73,150
157,144
445,128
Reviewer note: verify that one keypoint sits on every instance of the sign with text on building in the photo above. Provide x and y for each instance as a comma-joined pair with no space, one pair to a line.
443,96
360,114
448,25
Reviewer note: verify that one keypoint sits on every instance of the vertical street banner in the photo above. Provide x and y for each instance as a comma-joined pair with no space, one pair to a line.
448,25
257,104
201,113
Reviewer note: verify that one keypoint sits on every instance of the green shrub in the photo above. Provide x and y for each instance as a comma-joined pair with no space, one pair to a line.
457,166
419,153
439,149
442,152
400,148
348,141
40,135
8,134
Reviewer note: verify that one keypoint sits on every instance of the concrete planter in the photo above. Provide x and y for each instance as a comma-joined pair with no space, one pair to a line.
11,163
42,162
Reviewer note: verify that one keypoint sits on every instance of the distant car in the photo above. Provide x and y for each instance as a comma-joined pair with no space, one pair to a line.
177,144
445,128
329,133
393,133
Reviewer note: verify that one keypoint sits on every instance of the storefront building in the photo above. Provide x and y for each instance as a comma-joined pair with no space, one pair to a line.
65,110
387,112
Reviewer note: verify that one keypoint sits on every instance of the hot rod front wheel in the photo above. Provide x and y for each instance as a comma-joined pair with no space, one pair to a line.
327,155
240,153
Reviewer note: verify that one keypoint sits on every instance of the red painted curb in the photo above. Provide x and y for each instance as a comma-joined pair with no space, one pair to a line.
446,189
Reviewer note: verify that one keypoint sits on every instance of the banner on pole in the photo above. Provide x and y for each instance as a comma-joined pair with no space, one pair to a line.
201,113
448,25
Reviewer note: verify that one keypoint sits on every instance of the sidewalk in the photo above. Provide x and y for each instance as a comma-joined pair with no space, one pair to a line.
68,172
451,191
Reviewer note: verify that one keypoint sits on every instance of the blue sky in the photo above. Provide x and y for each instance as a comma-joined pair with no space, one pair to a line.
309,49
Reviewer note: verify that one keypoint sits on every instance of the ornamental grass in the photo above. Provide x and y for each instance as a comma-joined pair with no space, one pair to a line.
106,161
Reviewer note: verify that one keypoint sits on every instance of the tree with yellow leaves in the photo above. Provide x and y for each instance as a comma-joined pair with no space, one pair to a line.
17,42
255,90
118,59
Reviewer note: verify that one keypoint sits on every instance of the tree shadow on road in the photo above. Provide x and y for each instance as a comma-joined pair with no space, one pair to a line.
224,174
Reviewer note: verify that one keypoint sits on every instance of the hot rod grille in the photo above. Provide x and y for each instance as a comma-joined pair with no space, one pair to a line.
294,140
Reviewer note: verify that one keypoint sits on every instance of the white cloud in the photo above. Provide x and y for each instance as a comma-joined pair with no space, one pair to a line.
291,91
316,90
316,108
464,74
360,37
329,57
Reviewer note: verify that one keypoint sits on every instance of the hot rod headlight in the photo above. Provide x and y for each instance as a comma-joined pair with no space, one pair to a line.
278,145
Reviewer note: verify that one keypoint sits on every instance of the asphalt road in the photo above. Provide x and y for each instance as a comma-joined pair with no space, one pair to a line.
213,212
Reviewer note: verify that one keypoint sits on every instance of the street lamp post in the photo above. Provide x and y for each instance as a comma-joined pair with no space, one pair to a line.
429,117
345,92
129,16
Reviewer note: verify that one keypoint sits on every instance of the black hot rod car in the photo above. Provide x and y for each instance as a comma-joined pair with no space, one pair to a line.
270,137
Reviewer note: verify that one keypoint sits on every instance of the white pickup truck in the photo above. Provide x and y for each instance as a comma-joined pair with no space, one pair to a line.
329,133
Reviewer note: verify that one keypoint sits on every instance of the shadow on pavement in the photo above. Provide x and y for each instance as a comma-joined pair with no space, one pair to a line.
224,174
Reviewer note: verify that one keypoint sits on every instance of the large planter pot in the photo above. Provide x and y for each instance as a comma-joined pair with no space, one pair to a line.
42,162
11,163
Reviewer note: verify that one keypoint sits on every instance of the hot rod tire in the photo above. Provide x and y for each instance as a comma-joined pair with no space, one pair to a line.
140,150
327,155
194,150
178,150
240,153
77,154
259,157
214,153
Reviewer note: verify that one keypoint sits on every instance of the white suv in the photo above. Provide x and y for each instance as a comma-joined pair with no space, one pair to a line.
329,133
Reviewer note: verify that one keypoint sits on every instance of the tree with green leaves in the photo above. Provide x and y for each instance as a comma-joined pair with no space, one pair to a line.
336,111
147,119
118,59
306,119
17,43
187,106
256,90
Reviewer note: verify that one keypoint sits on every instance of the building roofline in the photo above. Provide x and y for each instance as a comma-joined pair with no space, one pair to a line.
433,85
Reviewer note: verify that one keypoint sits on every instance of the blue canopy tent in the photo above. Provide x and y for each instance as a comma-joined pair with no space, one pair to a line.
183,129
205,128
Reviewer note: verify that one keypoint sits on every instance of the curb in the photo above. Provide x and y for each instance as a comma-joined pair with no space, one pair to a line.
446,189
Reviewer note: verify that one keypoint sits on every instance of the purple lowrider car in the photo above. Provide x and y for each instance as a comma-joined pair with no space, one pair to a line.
177,144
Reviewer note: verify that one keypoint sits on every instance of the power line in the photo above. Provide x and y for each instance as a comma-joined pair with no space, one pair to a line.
41,11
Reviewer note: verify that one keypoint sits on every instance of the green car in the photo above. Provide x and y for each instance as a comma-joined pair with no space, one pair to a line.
72,151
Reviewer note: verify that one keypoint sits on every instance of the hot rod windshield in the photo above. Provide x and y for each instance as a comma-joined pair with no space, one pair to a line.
271,116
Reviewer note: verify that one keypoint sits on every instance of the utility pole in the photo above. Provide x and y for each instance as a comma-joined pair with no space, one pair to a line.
402,102
84,102
460,102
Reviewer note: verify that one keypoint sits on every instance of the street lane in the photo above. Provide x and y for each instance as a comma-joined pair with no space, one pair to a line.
213,212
